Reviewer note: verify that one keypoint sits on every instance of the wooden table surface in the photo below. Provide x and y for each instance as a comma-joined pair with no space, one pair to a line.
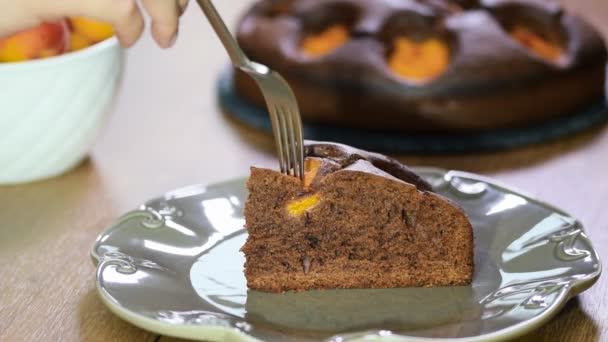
166,131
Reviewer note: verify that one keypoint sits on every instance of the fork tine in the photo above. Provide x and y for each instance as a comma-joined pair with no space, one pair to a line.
284,139
291,137
297,153
276,130
299,139
285,119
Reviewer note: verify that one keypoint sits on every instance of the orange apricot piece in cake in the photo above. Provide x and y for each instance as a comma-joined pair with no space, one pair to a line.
419,61
326,41
298,206
311,169
536,43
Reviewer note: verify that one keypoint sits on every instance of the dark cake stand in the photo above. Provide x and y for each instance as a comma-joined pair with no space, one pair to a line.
397,142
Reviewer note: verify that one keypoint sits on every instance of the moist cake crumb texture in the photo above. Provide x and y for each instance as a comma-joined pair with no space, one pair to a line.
363,221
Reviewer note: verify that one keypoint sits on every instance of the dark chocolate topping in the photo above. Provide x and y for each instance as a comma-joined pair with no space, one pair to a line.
492,80
347,156
482,50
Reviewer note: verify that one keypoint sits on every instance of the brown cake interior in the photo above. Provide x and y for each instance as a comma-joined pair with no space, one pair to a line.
354,226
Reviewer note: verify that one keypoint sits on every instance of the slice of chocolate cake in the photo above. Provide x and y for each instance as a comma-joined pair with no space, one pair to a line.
359,220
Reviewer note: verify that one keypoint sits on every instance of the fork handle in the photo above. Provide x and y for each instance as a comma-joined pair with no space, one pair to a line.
238,57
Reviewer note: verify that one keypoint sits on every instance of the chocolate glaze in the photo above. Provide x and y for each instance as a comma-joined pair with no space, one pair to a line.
350,158
485,86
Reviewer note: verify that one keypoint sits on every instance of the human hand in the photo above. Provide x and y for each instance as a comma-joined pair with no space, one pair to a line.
124,15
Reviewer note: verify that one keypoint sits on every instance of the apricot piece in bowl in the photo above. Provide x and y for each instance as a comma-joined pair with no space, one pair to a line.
77,42
46,40
91,30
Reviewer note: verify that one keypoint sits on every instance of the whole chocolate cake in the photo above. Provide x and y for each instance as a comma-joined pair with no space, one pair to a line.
426,65
358,220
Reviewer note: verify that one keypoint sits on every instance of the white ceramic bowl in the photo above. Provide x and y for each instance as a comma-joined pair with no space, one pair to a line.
51,110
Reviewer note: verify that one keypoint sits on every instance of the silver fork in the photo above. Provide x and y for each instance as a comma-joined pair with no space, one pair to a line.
280,100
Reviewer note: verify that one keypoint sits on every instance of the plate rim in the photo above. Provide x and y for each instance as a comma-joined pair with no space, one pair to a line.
225,333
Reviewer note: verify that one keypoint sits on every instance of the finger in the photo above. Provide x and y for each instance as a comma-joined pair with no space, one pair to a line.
124,15
182,5
129,24
164,14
